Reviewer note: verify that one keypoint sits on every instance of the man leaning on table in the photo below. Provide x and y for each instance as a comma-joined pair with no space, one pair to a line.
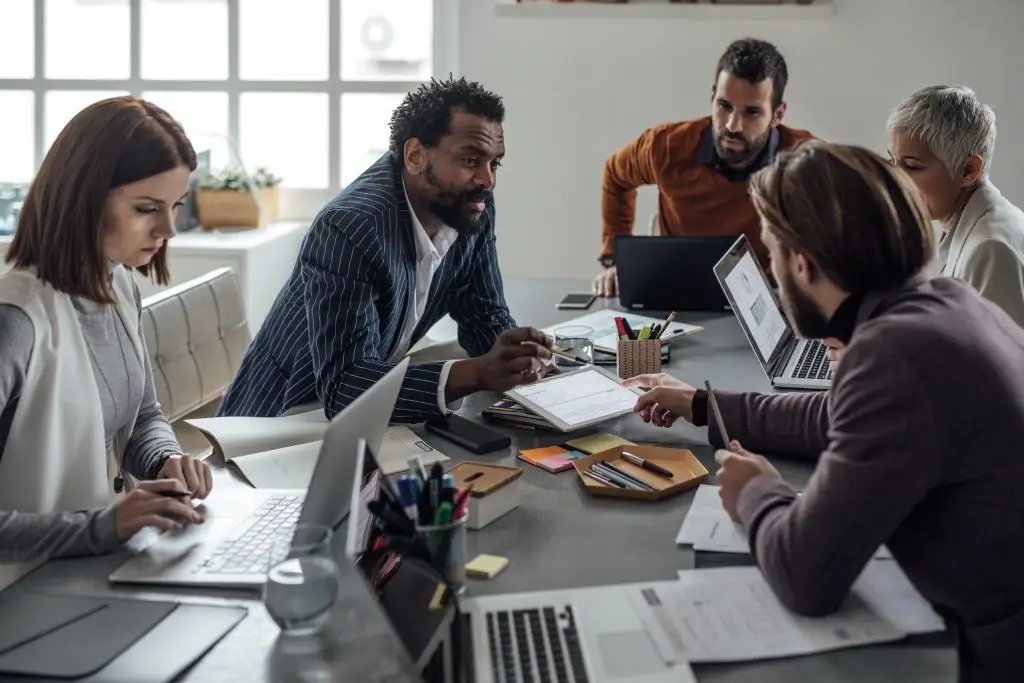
917,441
702,167
410,240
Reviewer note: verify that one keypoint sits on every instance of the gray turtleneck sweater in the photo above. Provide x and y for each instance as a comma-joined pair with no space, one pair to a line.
124,383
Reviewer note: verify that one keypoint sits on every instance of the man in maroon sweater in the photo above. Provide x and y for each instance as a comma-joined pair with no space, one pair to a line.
918,442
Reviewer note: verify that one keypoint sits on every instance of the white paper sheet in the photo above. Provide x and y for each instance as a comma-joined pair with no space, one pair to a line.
239,436
731,614
708,527
576,399
292,466
605,336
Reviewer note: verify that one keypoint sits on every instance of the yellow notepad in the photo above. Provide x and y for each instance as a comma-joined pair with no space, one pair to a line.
486,566
595,443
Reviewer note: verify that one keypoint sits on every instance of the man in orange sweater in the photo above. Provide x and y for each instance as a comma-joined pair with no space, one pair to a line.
701,167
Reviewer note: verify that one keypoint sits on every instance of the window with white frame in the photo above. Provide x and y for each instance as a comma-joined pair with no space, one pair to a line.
303,87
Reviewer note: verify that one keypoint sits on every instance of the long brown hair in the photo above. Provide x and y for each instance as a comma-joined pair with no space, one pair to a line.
110,143
855,216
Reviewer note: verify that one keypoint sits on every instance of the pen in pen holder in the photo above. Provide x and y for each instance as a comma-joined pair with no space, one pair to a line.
447,546
638,357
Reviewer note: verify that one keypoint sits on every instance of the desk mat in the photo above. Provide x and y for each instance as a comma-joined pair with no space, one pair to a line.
193,629
24,618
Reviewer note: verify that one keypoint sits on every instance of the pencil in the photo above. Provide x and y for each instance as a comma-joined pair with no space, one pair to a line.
566,356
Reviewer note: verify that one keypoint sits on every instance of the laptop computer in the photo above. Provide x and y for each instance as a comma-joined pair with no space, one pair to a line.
578,634
230,548
661,273
789,361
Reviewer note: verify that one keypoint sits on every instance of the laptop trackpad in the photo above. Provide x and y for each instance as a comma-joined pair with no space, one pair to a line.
629,654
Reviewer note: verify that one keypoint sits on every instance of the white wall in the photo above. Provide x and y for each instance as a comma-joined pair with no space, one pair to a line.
576,90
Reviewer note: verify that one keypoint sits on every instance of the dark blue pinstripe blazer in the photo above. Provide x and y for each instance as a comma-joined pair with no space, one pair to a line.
339,317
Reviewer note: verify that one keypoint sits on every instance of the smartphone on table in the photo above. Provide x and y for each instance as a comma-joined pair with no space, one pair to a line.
579,302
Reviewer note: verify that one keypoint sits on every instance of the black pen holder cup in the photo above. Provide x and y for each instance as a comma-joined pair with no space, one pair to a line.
447,546
638,357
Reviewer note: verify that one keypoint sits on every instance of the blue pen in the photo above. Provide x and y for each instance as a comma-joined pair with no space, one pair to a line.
408,490
449,482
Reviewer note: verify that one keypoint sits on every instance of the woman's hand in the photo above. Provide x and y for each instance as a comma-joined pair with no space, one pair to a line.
194,474
666,400
153,504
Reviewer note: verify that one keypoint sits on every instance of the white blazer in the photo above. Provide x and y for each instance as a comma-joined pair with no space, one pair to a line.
986,249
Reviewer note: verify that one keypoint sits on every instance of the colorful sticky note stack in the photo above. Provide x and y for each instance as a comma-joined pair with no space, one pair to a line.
551,458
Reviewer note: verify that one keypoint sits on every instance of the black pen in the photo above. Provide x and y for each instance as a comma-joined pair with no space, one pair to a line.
628,477
718,415
176,494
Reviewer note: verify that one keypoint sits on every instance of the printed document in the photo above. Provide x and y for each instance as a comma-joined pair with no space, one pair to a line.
731,614
708,527
577,399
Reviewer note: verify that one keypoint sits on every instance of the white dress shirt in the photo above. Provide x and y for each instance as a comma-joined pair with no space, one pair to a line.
429,254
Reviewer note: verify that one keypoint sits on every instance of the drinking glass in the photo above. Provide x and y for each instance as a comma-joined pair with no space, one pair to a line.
302,579
576,341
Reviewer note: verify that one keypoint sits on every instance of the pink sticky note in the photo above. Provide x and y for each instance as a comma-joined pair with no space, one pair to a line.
555,463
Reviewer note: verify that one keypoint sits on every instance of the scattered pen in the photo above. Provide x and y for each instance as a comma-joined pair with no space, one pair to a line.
718,415
647,465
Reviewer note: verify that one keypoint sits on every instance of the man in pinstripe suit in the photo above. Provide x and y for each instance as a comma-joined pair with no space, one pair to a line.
412,239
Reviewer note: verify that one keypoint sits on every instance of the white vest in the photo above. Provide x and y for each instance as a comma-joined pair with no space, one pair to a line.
55,458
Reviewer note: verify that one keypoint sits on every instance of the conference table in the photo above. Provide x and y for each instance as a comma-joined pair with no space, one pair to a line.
559,537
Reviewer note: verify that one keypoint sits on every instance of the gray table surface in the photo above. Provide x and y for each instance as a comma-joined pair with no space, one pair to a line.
559,537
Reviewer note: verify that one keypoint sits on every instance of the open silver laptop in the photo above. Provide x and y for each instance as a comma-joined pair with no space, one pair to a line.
231,547
579,634
789,361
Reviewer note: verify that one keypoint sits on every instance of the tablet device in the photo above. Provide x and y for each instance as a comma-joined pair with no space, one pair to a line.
577,399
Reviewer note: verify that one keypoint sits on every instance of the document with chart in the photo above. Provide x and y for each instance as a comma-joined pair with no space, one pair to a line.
731,614
708,527
576,399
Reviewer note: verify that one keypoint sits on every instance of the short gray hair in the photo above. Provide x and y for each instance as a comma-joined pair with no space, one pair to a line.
952,122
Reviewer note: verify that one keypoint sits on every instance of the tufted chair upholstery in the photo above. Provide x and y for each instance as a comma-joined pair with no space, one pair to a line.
196,335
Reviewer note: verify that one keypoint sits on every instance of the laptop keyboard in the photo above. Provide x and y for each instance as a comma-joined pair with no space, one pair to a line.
813,362
247,553
535,646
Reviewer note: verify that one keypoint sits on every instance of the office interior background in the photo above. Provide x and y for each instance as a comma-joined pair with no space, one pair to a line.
306,87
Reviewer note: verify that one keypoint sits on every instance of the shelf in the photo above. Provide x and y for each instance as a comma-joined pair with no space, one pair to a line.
786,11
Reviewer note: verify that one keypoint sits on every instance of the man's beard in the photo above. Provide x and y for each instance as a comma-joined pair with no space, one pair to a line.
809,322
450,206
743,156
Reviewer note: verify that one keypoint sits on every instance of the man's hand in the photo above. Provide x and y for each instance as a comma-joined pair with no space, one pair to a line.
836,349
666,400
147,505
737,466
518,357
194,474
607,283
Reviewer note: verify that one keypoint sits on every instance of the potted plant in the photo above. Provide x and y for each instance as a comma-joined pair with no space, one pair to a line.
237,199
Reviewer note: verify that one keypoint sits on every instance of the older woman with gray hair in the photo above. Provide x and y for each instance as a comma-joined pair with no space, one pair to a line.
944,137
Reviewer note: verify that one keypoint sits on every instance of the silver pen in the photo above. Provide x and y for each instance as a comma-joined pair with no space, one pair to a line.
718,415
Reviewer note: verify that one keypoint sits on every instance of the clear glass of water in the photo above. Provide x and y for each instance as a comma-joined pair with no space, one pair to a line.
576,341
302,579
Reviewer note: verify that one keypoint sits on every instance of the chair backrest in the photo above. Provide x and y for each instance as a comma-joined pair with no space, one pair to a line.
196,335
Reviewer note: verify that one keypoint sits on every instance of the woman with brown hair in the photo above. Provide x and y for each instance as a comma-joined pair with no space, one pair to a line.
78,409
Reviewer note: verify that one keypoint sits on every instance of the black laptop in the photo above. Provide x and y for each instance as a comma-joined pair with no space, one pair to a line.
660,273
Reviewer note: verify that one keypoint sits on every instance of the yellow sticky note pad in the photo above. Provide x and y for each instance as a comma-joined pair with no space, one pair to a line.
486,566
437,601
595,443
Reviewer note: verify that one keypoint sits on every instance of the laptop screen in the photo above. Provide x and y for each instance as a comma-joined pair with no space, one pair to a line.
750,295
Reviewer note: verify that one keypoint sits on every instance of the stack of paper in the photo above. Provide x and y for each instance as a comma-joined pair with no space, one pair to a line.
708,527
281,452
731,614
